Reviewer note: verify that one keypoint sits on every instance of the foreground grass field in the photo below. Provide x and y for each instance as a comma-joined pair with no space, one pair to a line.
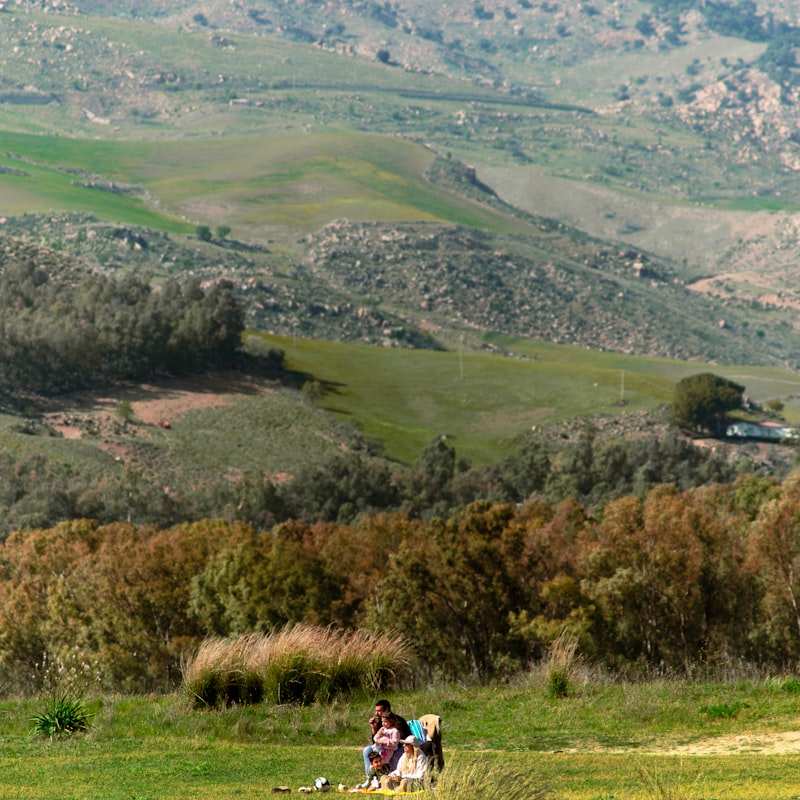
676,740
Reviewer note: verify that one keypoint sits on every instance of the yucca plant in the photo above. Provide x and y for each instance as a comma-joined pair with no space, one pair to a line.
63,714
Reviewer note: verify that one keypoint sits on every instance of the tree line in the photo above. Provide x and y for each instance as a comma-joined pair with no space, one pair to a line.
38,492
675,581
58,335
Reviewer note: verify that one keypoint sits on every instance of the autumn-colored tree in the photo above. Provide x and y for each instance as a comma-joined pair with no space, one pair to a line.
668,581
34,615
451,590
266,582
775,557
144,581
362,552
644,572
554,600
550,538
118,592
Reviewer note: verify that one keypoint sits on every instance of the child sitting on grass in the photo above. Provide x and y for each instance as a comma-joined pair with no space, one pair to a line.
377,770
411,770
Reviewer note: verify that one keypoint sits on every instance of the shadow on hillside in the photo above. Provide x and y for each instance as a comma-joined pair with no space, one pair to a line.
165,388
308,384
249,379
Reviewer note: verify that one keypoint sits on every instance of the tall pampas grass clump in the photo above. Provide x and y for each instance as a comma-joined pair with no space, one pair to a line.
221,673
297,664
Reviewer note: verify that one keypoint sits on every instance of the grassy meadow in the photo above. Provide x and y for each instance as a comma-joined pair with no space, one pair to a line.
608,739
482,401
256,184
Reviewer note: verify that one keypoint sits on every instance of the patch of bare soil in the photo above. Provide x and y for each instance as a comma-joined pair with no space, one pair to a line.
776,743
164,400
748,287
787,742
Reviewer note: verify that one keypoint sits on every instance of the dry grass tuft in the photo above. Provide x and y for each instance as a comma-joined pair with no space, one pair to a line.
662,787
476,779
563,659
297,664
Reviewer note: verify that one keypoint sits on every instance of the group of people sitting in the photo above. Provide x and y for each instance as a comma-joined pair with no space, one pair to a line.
394,760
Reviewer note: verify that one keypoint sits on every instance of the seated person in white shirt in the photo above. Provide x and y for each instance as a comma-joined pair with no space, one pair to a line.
411,769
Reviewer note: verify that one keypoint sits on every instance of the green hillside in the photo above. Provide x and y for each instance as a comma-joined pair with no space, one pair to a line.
483,402
255,184
466,180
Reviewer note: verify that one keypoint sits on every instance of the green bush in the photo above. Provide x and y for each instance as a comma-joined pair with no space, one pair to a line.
791,686
63,714
558,683
723,710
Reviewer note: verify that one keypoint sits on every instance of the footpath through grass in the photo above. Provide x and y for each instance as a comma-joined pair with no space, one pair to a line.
607,740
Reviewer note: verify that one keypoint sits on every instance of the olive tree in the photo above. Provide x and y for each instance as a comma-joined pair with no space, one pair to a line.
701,401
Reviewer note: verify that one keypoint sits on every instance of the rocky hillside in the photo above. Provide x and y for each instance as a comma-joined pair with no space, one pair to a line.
428,285
561,288
683,100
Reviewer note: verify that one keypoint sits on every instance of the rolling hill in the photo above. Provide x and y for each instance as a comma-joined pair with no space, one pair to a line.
615,176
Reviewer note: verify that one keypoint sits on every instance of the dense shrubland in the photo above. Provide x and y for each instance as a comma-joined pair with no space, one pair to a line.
36,492
675,581
57,335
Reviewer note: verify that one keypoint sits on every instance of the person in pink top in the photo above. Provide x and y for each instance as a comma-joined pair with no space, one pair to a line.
387,737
